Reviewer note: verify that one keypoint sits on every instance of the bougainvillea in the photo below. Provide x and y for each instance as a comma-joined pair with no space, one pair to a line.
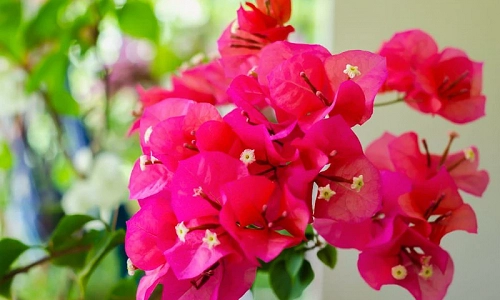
223,196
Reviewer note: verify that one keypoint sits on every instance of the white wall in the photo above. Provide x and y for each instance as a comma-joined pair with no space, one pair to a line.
475,27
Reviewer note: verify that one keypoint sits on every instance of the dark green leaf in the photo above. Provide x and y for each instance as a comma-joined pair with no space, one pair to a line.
125,289
328,255
302,281
5,288
280,280
137,19
10,250
67,227
310,232
97,253
293,262
74,250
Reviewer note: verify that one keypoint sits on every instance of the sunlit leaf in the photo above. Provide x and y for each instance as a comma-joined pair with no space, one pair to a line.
6,158
45,25
137,19
10,22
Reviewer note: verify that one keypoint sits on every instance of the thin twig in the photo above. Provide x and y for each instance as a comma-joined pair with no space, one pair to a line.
42,260
388,102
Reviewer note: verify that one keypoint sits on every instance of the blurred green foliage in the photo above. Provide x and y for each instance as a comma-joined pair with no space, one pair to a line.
76,58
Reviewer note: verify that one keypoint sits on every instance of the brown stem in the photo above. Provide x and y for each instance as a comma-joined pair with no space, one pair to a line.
427,153
388,102
8,276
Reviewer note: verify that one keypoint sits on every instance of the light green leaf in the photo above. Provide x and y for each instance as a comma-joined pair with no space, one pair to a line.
10,22
6,158
137,19
46,23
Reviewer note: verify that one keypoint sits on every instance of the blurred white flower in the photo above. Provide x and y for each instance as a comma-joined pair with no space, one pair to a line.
104,188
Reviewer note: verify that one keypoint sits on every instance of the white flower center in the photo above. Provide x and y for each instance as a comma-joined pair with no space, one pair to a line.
248,156
181,230
357,183
351,71
325,192
469,154
211,239
399,272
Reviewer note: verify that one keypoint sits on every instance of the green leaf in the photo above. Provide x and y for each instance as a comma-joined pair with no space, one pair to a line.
125,289
293,262
137,19
52,71
97,253
302,281
328,255
10,21
46,23
10,250
66,227
280,280
5,156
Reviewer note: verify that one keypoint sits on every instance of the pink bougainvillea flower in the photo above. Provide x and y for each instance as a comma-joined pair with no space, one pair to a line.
405,53
402,154
201,245
157,113
375,230
174,139
445,83
201,83
229,278
436,208
280,10
254,212
410,261
449,84
366,69
268,152
317,81
197,180
351,184
241,42
274,54
204,82
150,232
148,178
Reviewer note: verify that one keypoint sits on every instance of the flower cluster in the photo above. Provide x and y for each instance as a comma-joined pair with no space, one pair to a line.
222,194
445,83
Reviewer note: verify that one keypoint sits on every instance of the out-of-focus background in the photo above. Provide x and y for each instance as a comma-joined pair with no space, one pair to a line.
473,26
68,73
